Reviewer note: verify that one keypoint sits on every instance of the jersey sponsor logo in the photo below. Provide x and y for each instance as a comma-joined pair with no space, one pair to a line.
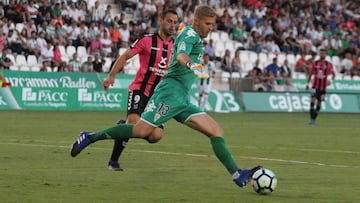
150,107
159,72
182,46
155,48
190,33
157,116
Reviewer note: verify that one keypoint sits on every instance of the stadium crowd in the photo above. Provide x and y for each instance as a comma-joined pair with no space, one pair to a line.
45,28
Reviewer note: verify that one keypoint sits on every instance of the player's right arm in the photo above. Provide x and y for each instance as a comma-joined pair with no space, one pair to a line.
117,67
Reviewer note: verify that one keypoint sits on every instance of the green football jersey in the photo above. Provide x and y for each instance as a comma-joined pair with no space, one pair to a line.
189,42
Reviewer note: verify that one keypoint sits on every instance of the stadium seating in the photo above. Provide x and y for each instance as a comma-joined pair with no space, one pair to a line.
20,60
81,51
32,61
70,50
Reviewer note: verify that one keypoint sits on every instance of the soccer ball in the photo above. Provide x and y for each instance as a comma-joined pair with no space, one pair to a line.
264,181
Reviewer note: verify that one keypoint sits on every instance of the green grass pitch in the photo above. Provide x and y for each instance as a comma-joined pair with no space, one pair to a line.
313,163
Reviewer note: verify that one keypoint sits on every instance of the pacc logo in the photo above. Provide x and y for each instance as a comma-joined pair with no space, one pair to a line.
43,95
98,96
28,95
84,95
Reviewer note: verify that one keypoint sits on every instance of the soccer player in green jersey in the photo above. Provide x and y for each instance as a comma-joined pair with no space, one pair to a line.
171,99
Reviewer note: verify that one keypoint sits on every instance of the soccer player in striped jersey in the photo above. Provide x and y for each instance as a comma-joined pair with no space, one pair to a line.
154,52
171,99
320,69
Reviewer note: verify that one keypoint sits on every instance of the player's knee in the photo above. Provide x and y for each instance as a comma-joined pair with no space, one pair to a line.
155,136
153,139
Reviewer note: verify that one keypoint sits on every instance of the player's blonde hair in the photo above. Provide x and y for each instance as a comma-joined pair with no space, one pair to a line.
204,11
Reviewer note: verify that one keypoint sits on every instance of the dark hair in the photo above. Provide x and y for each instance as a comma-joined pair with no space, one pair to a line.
165,12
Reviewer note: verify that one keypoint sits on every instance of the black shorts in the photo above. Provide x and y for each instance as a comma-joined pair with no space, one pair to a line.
318,94
136,102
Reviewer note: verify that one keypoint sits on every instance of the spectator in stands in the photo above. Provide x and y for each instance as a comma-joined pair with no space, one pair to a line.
21,10
255,42
347,65
142,12
224,22
108,16
209,49
24,42
96,46
8,25
47,57
57,55
294,46
84,13
92,32
288,86
257,28
73,32
32,11
125,35
43,10
63,67
301,65
87,66
107,45
14,43
98,64
121,19
257,69
269,45
5,61
115,36
74,13
238,32
34,48
236,62
272,69
29,27
351,49
65,13
40,40
75,63
286,70
11,13
226,62
56,11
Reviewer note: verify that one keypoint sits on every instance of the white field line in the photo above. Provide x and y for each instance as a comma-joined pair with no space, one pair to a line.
203,155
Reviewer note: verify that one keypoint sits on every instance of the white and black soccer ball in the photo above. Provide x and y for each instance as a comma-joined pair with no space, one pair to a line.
264,181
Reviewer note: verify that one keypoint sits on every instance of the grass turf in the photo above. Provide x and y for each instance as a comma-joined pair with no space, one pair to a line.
313,163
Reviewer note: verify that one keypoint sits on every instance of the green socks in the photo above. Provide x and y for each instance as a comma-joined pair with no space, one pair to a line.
122,131
223,154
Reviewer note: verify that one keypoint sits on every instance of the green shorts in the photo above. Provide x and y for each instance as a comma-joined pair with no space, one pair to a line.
169,100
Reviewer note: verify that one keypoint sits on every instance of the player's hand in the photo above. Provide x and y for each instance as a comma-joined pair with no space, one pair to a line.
199,70
307,87
109,81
